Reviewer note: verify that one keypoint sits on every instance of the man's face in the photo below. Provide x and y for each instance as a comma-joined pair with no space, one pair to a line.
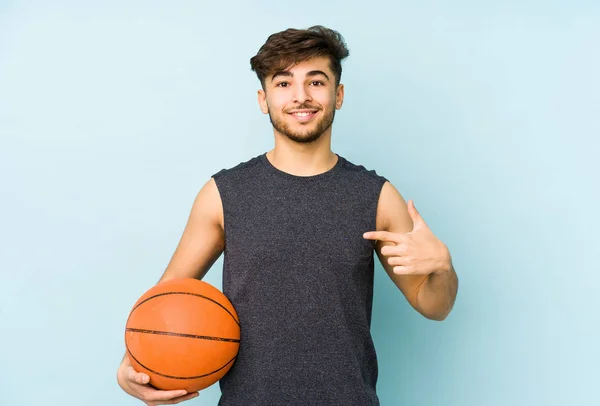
301,100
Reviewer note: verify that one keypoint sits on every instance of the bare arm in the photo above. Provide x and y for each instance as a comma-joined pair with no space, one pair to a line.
431,290
437,294
203,239
392,216
201,244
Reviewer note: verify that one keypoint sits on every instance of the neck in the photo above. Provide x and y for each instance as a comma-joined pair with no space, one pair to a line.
302,159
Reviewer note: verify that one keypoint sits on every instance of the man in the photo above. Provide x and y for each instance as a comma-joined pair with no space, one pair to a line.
298,226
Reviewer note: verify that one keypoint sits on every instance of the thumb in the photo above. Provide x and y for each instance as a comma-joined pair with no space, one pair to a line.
143,378
415,215
138,377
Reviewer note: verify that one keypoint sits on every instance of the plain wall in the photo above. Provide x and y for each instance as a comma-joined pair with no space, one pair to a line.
113,114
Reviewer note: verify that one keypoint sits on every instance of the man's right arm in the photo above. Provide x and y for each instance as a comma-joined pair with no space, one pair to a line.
201,244
203,239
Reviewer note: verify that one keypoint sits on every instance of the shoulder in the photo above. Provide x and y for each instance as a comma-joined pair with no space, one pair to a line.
364,178
361,170
222,184
238,169
207,203
392,210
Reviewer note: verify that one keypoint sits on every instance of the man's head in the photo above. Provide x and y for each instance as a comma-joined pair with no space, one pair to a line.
300,73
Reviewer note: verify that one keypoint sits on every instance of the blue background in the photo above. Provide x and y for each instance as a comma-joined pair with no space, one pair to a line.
113,115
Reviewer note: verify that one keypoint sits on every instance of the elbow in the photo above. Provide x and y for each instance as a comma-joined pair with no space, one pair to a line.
435,315
438,317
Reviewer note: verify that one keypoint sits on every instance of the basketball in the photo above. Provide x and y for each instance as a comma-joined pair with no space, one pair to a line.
184,334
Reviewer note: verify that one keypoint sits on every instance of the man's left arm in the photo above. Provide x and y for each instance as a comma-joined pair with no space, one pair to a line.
415,259
437,294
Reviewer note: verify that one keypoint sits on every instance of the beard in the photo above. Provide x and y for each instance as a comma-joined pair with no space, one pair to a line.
306,135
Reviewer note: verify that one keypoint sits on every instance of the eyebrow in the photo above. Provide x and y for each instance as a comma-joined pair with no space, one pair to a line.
289,74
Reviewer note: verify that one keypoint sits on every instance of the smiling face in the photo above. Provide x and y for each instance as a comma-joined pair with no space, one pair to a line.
301,101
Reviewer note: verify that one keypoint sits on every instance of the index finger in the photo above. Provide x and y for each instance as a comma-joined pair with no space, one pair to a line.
383,236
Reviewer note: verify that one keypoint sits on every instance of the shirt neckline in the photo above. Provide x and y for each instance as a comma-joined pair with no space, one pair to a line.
273,169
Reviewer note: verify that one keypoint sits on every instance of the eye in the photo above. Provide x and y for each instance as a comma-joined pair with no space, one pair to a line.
282,84
317,83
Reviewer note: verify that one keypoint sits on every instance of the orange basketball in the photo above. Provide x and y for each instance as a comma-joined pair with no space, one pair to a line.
183,333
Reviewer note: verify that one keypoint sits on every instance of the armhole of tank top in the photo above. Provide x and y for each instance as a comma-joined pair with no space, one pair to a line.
380,182
220,190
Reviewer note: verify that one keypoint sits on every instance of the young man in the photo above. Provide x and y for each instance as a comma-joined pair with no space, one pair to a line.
298,226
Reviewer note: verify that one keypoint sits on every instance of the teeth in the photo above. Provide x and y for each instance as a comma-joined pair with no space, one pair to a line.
302,114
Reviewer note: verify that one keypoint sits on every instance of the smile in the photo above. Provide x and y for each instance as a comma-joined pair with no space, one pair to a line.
303,115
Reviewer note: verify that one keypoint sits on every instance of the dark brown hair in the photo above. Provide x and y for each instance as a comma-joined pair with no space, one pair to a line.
293,46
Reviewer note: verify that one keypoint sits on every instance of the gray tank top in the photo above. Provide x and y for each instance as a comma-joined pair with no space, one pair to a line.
300,276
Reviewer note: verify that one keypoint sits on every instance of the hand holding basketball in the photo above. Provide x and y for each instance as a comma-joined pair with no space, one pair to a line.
184,334
136,384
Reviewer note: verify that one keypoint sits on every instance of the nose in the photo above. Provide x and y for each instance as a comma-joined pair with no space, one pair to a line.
301,94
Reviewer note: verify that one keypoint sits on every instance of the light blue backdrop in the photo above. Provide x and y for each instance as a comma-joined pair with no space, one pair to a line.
113,114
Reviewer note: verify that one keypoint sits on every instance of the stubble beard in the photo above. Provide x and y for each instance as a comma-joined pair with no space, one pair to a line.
307,136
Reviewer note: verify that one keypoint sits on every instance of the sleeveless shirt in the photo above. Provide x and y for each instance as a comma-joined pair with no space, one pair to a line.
300,276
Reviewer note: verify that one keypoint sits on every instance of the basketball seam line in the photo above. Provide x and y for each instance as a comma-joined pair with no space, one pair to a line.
169,333
178,377
187,293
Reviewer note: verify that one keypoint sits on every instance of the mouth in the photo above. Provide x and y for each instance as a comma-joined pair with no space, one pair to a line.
303,115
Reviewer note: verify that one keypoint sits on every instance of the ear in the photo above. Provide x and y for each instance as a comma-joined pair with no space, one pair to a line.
339,96
262,101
